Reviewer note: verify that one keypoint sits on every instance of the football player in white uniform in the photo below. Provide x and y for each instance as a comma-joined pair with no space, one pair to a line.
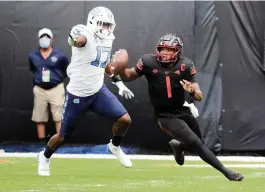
91,53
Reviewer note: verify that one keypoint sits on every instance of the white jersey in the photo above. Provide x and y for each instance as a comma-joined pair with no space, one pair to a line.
87,67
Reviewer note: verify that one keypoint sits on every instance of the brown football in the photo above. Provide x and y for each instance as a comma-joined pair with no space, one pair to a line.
119,61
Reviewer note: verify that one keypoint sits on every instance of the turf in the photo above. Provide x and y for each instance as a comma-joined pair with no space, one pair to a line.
80,175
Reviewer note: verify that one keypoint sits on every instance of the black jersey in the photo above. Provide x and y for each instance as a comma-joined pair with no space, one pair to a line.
166,93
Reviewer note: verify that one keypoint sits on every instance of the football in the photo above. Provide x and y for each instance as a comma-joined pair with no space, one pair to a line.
119,61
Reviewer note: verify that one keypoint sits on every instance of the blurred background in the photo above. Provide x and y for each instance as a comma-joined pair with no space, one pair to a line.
224,39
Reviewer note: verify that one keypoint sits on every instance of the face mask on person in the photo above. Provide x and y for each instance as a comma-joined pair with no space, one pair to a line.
44,42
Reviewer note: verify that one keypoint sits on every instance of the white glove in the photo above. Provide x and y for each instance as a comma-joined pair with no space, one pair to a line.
77,30
124,91
193,109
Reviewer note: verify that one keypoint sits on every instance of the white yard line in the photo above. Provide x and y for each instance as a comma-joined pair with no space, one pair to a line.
140,157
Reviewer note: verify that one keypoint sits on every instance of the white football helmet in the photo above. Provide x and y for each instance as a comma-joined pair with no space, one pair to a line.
101,21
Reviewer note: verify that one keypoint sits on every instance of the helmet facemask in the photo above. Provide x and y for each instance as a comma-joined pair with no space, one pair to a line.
104,28
168,54
169,49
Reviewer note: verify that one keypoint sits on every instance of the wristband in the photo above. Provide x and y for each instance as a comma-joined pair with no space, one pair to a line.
116,78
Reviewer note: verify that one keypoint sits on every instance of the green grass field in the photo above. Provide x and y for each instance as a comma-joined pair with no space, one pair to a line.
79,175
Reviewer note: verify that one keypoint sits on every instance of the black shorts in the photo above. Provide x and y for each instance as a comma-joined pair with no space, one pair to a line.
181,125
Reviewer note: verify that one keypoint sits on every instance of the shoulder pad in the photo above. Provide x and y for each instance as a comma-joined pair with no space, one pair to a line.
189,66
149,59
186,60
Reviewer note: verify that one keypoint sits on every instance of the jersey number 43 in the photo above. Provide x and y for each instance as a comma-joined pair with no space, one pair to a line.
103,57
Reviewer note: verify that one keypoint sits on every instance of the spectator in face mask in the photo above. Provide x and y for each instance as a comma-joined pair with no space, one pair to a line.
48,66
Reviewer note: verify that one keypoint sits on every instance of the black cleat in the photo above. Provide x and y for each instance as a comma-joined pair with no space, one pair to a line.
178,153
233,176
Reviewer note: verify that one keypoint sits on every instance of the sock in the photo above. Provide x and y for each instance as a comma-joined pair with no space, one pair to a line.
116,140
48,152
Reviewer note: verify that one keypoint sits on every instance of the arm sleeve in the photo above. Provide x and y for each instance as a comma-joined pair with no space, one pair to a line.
190,71
140,68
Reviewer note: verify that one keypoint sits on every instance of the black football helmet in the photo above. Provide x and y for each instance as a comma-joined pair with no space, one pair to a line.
172,41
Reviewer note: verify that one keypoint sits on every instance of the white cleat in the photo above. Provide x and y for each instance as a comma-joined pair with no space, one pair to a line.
43,165
117,151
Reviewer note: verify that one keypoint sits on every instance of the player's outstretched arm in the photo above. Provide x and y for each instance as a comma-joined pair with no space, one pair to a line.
77,37
80,41
116,79
134,72
129,74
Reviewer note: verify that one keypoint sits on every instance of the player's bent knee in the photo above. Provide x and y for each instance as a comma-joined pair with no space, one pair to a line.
125,119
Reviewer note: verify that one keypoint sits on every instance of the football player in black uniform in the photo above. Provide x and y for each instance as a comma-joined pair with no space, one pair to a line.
169,76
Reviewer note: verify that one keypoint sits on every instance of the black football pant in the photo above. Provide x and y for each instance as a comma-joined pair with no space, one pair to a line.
180,128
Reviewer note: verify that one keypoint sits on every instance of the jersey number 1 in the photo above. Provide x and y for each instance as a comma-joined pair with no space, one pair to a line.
168,85
101,50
